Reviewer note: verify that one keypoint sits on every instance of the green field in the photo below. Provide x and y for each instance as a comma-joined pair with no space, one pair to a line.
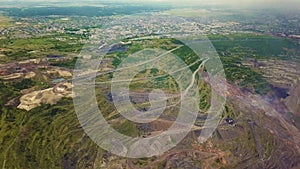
39,47
5,22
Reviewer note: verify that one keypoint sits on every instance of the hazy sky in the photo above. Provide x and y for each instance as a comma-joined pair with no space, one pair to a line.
235,3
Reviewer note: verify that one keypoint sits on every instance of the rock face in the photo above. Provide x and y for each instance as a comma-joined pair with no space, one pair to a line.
47,96
60,71
293,101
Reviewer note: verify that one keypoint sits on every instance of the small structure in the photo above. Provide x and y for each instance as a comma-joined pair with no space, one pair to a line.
230,121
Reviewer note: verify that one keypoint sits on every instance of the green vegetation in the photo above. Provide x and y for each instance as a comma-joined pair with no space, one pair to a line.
204,96
5,22
126,127
255,46
236,49
51,136
156,80
45,137
188,56
24,84
67,64
244,76
39,47
7,92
